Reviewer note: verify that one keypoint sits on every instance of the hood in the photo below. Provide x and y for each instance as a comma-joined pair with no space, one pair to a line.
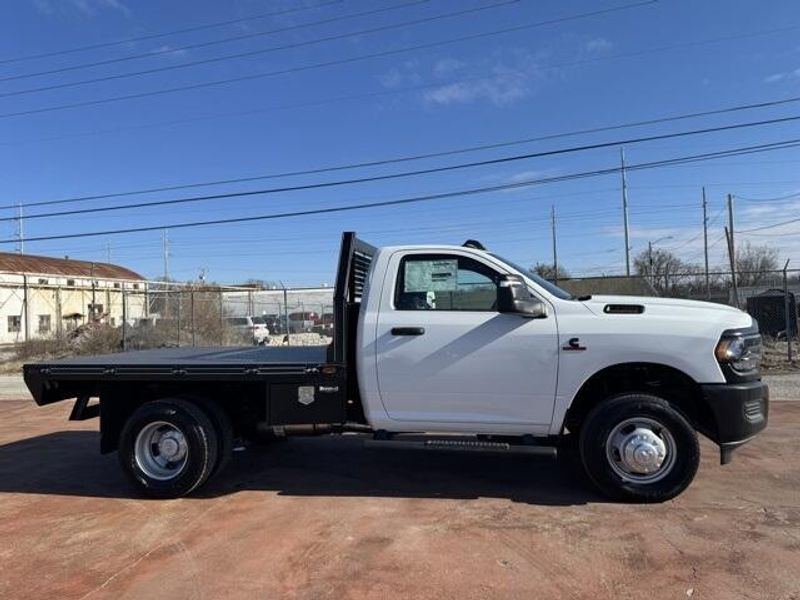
658,302
675,308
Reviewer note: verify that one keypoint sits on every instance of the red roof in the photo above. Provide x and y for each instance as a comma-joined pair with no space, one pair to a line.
26,263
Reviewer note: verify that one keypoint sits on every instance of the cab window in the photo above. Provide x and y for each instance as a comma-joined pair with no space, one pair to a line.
445,282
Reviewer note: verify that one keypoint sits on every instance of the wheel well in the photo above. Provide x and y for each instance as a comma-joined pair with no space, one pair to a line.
669,383
244,405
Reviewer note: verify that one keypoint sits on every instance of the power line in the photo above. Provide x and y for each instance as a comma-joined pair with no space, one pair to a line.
277,107
462,225
429,171
319,65
112,77
320,40
770,235
773,199
696,237
424,198
774,225
152,36
415,157
404,90
197,45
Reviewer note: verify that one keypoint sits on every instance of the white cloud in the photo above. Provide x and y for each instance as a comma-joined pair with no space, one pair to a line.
776,77
503,87
500,79
448,66
88,8
600,44
169,52
405,74
523,176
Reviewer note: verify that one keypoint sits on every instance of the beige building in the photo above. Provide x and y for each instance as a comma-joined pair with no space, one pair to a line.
42,296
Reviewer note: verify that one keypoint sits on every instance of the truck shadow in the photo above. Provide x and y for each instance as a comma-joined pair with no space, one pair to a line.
68,463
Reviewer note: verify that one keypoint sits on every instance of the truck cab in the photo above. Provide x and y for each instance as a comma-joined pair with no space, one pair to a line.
446,347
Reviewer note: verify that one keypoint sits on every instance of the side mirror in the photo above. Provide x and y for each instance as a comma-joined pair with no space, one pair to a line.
513,297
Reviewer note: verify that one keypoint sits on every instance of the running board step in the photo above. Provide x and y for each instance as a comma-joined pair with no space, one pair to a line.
463,446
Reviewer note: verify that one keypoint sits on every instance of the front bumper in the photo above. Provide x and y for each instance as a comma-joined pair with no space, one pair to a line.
733,413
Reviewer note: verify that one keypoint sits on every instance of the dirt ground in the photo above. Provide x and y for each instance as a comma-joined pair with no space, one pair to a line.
323,518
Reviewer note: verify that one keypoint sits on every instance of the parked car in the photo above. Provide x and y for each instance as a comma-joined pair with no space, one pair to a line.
444,348
324,325
273,322
250,329
300,322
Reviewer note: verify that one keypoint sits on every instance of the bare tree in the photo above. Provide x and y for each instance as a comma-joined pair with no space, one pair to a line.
262,284
547,271
753,264
660,266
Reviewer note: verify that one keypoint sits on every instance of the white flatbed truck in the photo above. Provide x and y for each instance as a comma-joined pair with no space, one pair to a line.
443,347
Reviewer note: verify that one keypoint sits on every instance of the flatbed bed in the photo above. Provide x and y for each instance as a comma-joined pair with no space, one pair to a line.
53,381
202,356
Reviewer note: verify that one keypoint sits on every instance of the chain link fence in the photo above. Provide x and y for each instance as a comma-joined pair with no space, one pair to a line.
45,318
156,314
203,316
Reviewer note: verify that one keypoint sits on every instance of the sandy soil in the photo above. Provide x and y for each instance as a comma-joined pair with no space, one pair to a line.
324,518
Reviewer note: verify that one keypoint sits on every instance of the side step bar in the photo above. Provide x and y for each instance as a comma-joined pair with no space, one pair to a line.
463,446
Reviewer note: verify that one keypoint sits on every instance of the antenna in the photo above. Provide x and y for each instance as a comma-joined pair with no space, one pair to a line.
473,244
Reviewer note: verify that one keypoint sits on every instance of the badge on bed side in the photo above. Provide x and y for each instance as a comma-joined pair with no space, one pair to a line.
305,394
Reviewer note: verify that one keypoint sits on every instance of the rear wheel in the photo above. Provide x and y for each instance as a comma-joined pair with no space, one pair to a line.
224,429
637,447
168,448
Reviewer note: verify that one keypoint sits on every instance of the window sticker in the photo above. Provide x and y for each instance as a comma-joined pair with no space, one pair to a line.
431,276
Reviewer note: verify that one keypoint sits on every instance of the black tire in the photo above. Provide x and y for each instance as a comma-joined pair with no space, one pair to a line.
600,424
201,443
224,429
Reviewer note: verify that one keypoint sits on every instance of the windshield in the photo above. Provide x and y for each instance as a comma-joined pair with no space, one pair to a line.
548,285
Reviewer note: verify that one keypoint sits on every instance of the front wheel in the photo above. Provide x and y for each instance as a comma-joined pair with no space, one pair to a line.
168,447
637,447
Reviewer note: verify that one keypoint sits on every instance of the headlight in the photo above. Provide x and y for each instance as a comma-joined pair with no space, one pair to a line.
743,353
730,349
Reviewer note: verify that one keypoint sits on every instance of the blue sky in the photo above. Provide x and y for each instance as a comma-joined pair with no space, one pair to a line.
660,59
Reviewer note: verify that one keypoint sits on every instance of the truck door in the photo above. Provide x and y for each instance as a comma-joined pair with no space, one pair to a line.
446,355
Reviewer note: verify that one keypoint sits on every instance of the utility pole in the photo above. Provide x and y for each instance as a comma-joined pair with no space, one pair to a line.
94,295
729,239
555,251
165,240
108,252
19,232
625,213
705,243
732,248
791,320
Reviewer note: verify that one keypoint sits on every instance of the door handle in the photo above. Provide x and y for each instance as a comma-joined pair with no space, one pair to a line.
408,331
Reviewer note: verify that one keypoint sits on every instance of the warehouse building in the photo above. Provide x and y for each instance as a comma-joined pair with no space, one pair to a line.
43,296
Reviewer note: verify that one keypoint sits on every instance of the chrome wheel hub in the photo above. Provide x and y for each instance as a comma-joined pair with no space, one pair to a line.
641,450
161,450
172,446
